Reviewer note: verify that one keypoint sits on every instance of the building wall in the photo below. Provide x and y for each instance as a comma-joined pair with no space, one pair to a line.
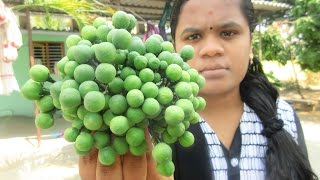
15,104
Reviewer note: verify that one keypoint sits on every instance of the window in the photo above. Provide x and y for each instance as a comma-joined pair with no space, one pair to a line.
48,53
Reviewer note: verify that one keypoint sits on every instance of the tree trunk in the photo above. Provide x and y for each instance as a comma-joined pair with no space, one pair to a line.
296,80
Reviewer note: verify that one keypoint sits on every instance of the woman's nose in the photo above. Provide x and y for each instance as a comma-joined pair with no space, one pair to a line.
211,47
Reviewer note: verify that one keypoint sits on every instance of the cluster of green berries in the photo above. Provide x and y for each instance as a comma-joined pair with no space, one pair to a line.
114,87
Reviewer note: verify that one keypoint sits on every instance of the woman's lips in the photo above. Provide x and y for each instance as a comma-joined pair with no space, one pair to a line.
213,73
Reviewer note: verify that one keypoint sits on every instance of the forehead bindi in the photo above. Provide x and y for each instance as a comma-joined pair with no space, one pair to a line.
194,15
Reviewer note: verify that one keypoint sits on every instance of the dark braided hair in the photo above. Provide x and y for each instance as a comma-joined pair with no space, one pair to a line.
284,158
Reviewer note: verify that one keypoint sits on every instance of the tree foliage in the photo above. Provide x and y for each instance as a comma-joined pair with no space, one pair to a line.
272,45
306,17
82,11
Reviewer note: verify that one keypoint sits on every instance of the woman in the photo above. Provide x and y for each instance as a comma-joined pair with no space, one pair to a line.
251,133
246,131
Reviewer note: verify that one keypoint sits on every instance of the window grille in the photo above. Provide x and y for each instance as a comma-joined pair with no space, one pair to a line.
48,53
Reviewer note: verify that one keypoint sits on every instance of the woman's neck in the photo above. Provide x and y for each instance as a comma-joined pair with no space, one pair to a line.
223,114
225,103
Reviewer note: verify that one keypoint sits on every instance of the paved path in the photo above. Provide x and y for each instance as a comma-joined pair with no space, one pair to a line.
22,159
312,136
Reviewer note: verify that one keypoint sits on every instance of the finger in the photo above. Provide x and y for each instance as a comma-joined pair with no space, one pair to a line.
87,165
148,139
134,167
152,173
151,168
151,164
112,172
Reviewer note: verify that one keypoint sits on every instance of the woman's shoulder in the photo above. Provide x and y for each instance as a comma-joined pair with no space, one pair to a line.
287,113
284,106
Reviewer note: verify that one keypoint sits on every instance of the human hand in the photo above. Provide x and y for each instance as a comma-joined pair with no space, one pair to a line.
126,167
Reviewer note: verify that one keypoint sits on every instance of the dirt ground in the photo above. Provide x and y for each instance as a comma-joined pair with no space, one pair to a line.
22,159
309,96
306,93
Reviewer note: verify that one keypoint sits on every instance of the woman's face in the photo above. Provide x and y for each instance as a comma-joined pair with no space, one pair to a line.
219,33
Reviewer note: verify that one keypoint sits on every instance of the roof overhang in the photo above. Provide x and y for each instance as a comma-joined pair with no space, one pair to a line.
269,6
153,9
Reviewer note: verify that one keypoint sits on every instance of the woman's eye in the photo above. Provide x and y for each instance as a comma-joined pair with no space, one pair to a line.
228,33
193,37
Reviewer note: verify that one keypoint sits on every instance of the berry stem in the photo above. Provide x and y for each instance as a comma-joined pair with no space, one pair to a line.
53,111
93,63
45,91
50,79
102,86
